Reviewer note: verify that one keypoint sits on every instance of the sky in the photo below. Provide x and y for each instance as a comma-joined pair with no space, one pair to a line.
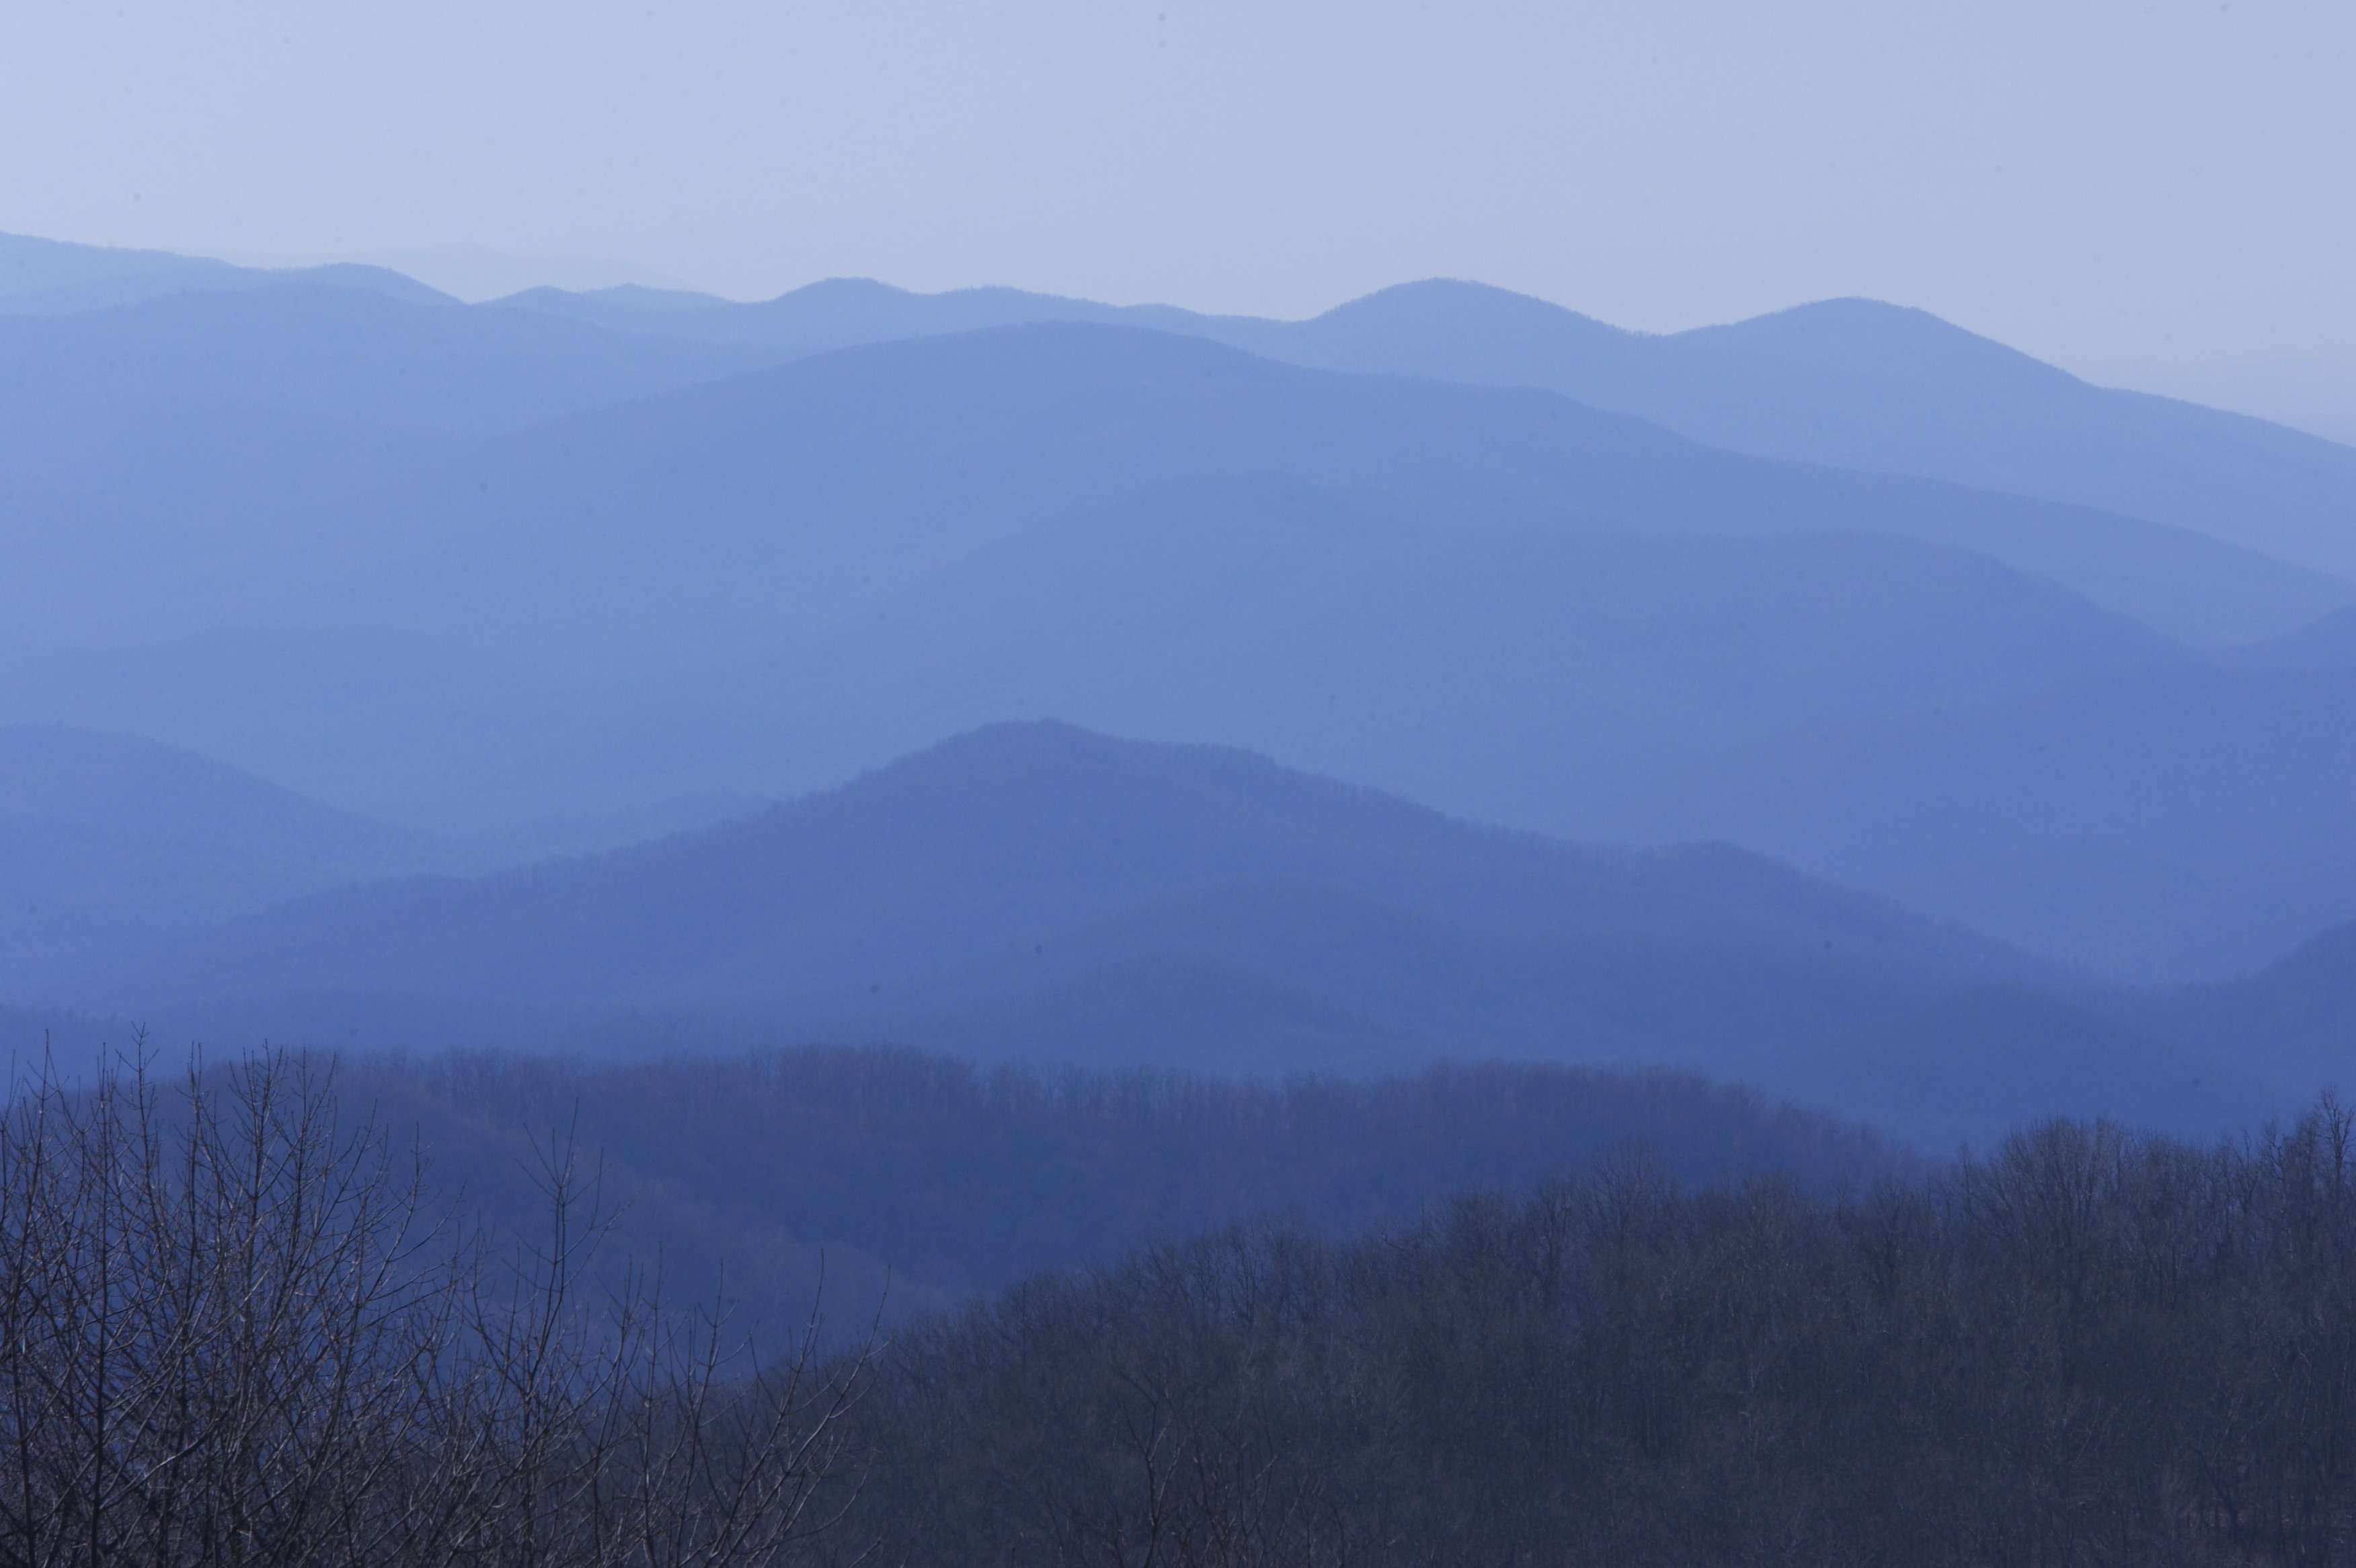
2086,179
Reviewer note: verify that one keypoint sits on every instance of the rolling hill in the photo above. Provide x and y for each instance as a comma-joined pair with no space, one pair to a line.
737,508
221,460
2317,396
1504,663
1855,383
1851,384
498,760
1918,720
1845,383
54,277
2299,1011
108,842
1034,891
322,457
784,1163
1509,665
2184,821
339,530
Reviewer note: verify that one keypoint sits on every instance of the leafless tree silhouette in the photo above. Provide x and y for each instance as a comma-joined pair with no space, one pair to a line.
236,1328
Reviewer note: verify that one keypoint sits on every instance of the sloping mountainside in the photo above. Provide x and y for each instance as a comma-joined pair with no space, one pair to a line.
2161,823
435,736
1910,719
729,511
1854,383
1036,891
108,842
2317,396
999,836
1849,384
555,575
1512,666
2302,1007
219,460
958,1178
905,1181
52,277
1508,665
293,456
365,360
2329,643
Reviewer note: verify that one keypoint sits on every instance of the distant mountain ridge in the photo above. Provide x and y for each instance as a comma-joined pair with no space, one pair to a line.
576,497
1849,384
2317,396
2300,1011
1524,667
572,571
1546,658
1855,383
1037,891
837,313
55,277
1008,831
111,842
795,496
2175,821
1541,661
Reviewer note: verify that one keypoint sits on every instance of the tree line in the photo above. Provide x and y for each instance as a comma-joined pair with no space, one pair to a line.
2088,1346
955,1177
237,1326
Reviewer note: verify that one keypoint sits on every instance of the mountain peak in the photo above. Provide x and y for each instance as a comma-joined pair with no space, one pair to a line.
1872,339
1445,327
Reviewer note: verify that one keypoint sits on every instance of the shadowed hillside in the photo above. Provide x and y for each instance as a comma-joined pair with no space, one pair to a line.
1039,893
1512,663
301,455
1855,383
2180,823
219,460
735,510
2303,1006
1849,383
1513,666
957,1178
53,278
108,842
1910,719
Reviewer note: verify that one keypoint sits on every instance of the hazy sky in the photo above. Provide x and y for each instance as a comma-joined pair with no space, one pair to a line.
2086,178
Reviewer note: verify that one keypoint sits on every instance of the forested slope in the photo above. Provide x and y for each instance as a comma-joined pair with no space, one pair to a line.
2090,1346
238,1295
949,1178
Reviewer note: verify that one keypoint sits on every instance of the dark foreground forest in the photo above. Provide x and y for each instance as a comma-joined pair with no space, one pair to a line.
2090,1348
233,1329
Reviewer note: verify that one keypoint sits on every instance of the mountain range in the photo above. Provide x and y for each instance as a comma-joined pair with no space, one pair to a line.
1040,893
110,843
55,277
449,588
1847,384
1913,718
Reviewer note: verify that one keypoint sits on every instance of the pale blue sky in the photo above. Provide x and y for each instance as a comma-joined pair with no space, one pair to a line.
2086,178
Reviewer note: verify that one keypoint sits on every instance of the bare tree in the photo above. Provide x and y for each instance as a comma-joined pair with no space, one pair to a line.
236,1329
